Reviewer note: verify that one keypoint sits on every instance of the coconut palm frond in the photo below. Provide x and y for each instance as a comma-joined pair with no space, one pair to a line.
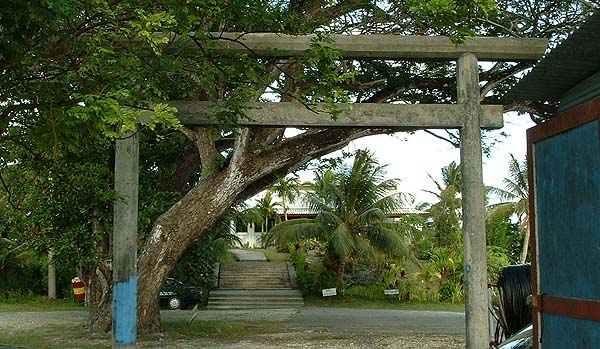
341,240
372,216
387,239
501,209
297,230
362,246
328,218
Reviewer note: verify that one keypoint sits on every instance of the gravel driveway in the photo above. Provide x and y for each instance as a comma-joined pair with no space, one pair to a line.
302,328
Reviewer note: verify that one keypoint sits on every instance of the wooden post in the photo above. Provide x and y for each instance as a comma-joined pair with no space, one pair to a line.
475,256
51,274
124,306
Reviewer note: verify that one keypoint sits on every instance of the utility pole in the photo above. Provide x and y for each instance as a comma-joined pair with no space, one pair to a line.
473,195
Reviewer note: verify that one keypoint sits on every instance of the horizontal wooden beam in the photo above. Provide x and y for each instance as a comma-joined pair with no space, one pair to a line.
294,114
391,47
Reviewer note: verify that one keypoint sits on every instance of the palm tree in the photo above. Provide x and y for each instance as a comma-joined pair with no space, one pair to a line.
515,196
352,204
446,212
267,211
288,189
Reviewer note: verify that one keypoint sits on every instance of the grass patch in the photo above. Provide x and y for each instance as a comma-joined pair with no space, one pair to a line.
356,302
272,255
77,336
229,257
57,336
39,303
230,331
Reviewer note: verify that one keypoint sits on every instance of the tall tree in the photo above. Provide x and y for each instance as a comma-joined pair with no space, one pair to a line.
352,203
516,199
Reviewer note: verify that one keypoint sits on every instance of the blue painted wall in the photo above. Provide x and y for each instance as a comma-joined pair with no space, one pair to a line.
124,312
562,332
567,186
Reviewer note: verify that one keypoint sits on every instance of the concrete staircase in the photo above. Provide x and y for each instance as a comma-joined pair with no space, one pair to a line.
254,284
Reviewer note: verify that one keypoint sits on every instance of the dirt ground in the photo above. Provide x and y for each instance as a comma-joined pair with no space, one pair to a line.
292,328
326,339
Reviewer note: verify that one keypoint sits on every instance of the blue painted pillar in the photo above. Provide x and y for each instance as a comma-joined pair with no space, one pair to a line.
124,305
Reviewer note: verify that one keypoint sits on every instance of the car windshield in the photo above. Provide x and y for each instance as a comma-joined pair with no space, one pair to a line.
172,283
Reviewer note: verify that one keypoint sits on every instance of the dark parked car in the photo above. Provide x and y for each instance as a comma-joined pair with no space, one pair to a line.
177,295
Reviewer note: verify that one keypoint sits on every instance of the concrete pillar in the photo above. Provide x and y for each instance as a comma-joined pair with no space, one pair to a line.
51,275
475,256
124,306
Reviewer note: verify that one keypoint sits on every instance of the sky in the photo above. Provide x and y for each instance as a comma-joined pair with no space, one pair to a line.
412,157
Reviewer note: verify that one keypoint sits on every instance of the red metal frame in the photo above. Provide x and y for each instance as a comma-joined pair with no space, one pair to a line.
579,308
571,307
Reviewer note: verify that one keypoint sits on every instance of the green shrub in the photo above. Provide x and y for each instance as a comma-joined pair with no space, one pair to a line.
312,277
371,292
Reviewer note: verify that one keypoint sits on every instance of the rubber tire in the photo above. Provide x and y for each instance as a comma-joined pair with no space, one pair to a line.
175,303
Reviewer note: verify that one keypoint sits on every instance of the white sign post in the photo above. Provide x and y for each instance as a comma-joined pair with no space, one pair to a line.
328,292
391,292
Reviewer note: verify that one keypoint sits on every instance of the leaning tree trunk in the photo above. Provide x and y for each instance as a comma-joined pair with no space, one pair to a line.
172,234
248,172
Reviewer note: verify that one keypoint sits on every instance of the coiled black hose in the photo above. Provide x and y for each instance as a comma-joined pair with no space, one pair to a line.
514,286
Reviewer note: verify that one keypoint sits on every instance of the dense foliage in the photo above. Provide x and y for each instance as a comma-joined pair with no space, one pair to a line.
431,269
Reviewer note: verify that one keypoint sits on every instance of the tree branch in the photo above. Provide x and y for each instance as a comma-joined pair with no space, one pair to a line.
211,159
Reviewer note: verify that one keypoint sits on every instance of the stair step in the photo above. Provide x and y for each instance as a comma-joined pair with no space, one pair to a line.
253,277
260,285
254,284
254,300
257,292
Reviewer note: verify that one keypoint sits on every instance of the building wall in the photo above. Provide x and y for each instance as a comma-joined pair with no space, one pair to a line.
249,238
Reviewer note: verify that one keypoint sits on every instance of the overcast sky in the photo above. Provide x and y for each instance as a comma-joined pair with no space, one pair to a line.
412,157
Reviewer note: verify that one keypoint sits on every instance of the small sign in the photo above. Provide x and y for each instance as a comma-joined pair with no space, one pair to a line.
391,292
327,292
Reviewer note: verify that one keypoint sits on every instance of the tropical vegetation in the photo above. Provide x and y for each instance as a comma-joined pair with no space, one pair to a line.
352,205
515,196
364,252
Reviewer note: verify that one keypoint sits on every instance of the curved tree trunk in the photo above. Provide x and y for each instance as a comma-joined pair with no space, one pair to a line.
248,172
172,234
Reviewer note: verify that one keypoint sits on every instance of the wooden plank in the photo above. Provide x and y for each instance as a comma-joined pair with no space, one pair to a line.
294,114
587,309
124,306
565,121
473,194
392,47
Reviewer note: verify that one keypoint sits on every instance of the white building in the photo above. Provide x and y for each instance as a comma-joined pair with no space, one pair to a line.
250,236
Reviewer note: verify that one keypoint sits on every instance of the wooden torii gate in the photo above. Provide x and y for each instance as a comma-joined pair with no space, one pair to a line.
468,115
